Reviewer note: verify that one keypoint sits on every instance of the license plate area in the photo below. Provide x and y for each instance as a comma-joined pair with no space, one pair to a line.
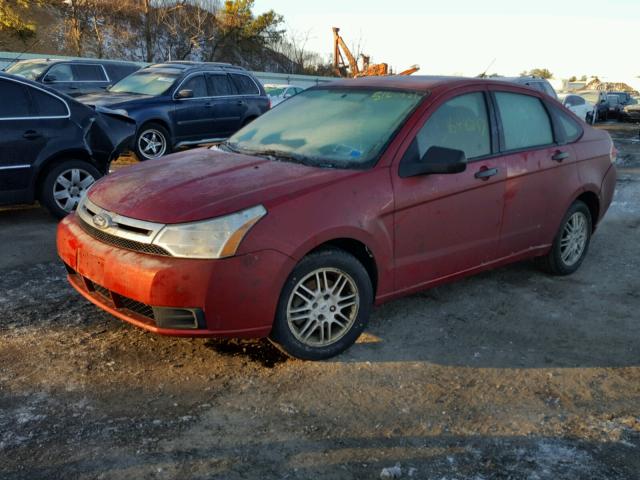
91,266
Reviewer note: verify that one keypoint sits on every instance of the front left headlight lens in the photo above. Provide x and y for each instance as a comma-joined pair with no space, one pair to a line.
217,238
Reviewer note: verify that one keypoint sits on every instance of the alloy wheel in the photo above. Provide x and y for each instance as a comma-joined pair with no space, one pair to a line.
70,186
323,307
574,239
152,143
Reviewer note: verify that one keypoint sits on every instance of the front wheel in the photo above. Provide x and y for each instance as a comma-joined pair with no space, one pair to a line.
324,306
152,142
65,184
571,243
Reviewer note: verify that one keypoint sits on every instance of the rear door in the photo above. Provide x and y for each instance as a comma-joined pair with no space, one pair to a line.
21,140
448,224
539,172
194,116
229,107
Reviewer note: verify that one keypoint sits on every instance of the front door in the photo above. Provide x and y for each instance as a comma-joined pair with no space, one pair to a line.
450,223
194,116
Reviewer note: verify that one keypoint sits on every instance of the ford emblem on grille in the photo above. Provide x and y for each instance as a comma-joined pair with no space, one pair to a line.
102,221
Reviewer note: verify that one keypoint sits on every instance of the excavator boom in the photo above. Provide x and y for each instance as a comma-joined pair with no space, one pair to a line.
341,69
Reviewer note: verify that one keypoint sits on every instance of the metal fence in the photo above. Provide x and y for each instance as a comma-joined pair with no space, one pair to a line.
265,77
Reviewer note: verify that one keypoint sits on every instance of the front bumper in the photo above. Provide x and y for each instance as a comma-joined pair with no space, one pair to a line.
231,297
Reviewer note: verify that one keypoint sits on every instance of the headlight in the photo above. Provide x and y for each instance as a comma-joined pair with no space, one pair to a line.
217,238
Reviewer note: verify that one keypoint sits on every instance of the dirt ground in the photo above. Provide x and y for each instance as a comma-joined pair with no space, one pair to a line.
508,375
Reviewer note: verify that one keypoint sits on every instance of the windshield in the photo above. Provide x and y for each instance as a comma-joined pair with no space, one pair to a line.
343,128
148,81
28,69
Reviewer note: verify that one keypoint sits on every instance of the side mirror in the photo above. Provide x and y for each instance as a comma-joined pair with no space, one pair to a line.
49,79
436,160
186,93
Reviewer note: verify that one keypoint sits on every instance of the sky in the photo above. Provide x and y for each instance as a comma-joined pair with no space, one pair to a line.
569,37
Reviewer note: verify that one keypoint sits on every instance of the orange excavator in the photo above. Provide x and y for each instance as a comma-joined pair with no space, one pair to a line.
351,69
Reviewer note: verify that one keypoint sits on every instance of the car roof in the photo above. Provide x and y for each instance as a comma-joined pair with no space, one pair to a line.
91,61
419,83
188,66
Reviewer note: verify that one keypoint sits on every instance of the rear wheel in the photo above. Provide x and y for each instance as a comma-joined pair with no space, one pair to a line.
324,306
65,184
571,243
152,142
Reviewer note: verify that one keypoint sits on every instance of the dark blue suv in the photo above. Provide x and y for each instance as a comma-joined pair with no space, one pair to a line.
177,104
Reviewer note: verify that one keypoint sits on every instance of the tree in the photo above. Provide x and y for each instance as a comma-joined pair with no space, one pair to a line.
538,72
573,78
12,18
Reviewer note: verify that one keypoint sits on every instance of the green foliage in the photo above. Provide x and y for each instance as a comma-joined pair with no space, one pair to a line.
573,79
538,72
12,18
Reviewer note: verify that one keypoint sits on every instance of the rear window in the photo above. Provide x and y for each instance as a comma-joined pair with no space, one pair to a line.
18,107
525,121
47,105
245,85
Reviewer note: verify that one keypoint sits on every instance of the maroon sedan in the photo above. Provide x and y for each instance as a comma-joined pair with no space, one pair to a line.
343,197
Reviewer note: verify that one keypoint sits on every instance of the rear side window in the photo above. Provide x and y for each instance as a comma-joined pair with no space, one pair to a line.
18,107
525,122
197,84
572,131
47,105
245,85
88,73
220,85
461,123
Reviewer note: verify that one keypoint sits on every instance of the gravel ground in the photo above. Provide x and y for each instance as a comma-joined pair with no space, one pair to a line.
507,375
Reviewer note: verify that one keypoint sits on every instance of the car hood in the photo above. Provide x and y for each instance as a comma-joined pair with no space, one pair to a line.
110,99
204,183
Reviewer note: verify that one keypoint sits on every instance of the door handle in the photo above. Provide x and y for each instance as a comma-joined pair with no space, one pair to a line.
559,156
240,102
31,135
486,173
208,105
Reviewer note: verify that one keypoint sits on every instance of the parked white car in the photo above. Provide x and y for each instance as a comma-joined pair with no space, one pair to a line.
580,106
279,93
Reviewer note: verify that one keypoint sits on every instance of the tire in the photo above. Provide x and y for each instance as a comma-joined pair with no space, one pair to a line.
152,142
317,327
561,259
64,185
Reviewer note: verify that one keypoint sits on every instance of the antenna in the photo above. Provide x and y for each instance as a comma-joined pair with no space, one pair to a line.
484,74
17,57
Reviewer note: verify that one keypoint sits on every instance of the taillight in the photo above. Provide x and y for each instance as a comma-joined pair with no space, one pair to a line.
613,154
269,104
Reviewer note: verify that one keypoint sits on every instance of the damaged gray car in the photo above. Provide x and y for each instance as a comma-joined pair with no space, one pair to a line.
52,148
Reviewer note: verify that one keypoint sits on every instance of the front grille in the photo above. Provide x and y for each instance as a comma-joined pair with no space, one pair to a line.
122,242
135,306
102,291
120,302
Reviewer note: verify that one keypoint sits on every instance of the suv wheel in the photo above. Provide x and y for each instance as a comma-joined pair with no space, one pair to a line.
152,142
324,306
65,184
571,243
